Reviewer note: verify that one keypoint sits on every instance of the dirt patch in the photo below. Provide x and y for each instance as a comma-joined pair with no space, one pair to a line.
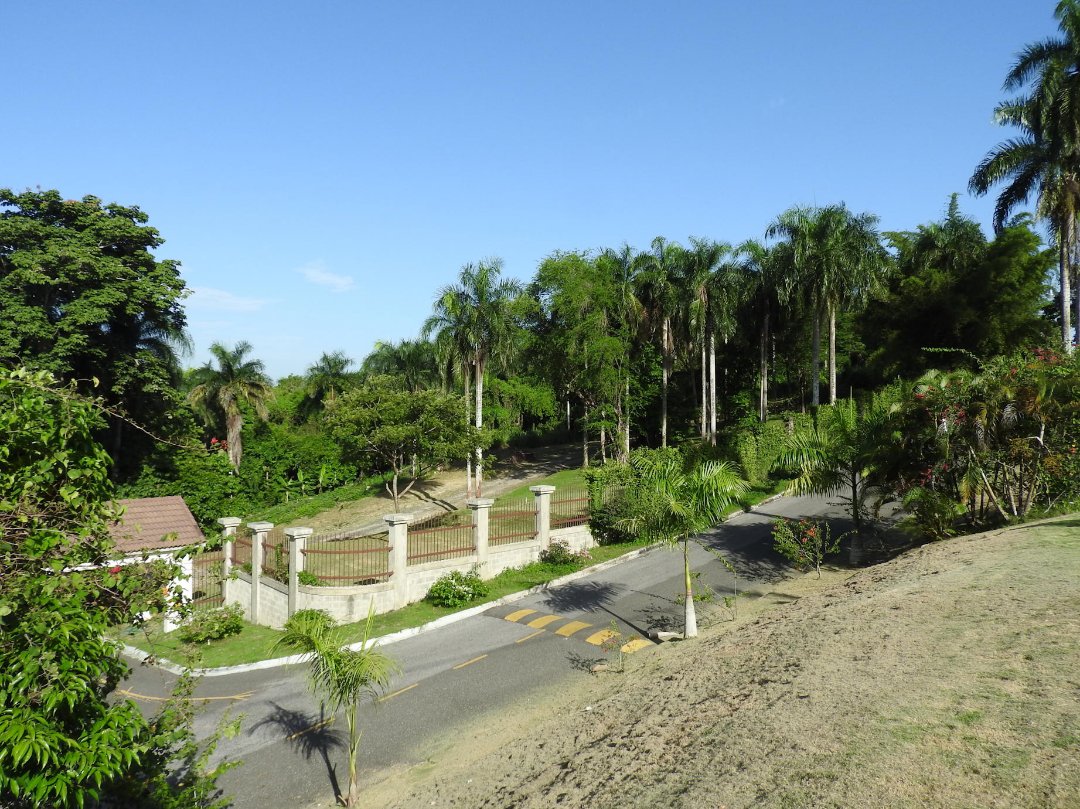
948,677
445,490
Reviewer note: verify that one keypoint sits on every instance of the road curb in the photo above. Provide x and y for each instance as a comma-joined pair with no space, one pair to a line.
438,623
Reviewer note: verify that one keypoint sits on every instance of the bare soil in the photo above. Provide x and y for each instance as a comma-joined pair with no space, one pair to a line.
949,676
445,490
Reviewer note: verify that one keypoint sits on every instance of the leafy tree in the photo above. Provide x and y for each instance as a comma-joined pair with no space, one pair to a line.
65,739
400,429
415,361
83,296
673,502
953,290
342,676
220,392
325,379
1044,161
656,276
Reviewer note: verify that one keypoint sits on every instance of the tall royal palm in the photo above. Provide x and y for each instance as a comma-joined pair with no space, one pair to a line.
477,316
766,285
1044,160
325,379
220,391
657,271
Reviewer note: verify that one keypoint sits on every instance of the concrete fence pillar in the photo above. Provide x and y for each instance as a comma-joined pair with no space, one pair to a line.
398,526
259,530
481,512
297,538
228,531
543,514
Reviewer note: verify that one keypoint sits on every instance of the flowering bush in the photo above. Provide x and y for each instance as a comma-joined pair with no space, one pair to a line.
804,543
456,589
558,553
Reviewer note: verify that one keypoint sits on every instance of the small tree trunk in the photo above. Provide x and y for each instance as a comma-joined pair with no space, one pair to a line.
815,362
664,389
626,422
712,389
689,614
832,354
468,414
603,445
585,439
1065,267
234,426
479,424
763,391
704,394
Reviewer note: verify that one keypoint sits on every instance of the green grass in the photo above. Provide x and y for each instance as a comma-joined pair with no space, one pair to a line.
566,477
309,506
252,644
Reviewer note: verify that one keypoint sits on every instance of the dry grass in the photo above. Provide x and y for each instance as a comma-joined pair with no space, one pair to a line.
948,677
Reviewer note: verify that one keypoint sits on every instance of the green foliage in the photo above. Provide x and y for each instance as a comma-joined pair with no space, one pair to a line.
455,589
804,543
207,625
757,447
343,677
932,513
308,578
558,553
65,740
400,430
82,296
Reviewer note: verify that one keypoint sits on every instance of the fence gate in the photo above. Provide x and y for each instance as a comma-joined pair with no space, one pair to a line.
207,581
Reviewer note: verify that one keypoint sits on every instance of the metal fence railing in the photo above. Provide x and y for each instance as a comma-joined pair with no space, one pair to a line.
569,506
512,520
207,576
338,560
444,536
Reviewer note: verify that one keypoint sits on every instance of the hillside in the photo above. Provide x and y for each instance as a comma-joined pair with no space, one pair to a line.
947,677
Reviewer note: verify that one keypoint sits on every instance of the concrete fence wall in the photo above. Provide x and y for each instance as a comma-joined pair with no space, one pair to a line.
268,602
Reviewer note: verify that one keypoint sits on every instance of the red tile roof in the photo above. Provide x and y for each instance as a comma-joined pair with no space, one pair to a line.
153,523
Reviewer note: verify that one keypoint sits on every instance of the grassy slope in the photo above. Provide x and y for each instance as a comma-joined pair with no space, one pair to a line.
948,677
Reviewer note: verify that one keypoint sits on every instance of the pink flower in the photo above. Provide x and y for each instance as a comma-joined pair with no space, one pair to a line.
114,569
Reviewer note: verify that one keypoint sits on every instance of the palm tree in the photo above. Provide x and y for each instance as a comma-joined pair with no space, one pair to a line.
656,274
343,676
838,256
222,390
839,454
325,379
626,317
1044,160
767,285
475,317
674,503
415,361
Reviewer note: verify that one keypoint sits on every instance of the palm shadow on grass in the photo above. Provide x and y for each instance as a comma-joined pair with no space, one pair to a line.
309,734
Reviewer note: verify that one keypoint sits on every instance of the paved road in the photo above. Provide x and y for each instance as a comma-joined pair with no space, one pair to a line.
485,663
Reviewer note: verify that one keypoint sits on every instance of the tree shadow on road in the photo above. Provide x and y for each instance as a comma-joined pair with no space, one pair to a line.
582,596
310,734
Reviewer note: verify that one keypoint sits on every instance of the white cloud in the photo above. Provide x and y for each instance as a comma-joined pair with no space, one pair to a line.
219,300
316,274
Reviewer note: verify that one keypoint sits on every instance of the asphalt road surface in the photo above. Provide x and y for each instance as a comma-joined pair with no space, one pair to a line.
294,754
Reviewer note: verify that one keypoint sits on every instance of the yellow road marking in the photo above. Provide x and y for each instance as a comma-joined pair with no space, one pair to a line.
533,635
316,726
572,627
518,615
543,621
635,644
399,691
147,698
469,662
597,638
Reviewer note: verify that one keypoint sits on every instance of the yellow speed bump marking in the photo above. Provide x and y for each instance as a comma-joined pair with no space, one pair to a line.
635,644
598,638
469,662
543,621
518,615
399,691
527,637
570,628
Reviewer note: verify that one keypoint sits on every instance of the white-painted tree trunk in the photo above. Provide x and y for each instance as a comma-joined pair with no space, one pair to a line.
832,355
815,362
479,424
712,389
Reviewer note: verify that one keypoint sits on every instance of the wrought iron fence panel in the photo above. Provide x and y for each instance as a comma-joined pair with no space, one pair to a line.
512,520
444,536
207,578
569,506
335,561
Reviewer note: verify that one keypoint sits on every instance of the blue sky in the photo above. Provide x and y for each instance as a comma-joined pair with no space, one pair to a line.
320,169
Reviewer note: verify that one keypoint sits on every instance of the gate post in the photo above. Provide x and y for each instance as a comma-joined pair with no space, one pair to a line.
297,538
481,512
228,531
398,525
543,514
258,536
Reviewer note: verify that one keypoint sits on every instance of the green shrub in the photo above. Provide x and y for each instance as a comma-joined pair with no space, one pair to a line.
308,578
456,589
558,554
213,625
933,513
